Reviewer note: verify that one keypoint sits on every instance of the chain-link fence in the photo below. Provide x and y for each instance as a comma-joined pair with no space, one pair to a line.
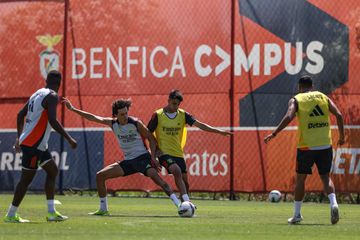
236,62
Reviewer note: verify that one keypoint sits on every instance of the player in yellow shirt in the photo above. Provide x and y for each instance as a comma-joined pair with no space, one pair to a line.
312,109
169,127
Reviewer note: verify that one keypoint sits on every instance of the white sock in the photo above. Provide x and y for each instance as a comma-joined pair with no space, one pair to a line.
103,204
185,197
175,200
51,205
332,198
297,207
12,211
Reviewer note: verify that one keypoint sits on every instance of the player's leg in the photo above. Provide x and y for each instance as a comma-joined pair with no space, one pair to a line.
151,172
304,163
186,181
47,163
27,175
175,170
182,165
171,165
299,196
51,170
328,185
329,188
300,187
29,166
111,171
323,163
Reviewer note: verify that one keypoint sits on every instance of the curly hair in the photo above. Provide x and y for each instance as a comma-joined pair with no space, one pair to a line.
119,104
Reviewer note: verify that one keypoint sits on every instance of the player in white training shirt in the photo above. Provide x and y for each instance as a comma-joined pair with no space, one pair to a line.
130,133
32,141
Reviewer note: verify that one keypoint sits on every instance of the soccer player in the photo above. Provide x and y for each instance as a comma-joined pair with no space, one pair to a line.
169,126
40,113
130,132
312,109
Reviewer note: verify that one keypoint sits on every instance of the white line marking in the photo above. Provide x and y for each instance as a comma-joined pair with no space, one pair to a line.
190,129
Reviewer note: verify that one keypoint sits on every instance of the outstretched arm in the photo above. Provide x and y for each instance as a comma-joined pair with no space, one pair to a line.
208,128
87,115
339,119
51,103
289,116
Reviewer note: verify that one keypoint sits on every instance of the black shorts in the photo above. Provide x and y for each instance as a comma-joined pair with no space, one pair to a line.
166,161
306,159
137,165
32,158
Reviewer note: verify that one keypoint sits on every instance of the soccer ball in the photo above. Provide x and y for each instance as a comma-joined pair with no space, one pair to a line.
186,209
274,196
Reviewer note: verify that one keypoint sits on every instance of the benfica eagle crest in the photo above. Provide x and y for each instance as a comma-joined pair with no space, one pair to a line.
49,58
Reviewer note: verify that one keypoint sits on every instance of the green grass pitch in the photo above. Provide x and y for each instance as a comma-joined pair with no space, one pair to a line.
154,218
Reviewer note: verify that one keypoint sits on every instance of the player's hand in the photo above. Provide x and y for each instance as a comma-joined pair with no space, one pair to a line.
67,103
155,164
158,153
72,143
341,141
226,133
269,137
16,146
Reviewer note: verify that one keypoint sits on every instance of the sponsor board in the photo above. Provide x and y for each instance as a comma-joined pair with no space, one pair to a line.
78,172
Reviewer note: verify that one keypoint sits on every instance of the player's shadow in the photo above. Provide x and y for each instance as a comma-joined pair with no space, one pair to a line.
305,224
311,224
142,216
37,223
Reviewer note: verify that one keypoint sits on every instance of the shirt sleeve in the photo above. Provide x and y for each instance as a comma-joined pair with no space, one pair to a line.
189,119
134,121
153,123
112,123
296,105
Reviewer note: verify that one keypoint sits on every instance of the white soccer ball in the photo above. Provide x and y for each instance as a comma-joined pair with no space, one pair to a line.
186,209
274,196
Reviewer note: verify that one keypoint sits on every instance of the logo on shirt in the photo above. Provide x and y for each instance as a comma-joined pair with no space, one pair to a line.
318,125
49,58
316,112
172,131
127,138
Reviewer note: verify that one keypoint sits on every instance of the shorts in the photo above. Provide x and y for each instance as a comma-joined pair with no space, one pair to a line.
166,161
306,159
33,158
139,164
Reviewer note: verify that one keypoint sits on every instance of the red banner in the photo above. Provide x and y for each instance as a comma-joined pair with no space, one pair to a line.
119,49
